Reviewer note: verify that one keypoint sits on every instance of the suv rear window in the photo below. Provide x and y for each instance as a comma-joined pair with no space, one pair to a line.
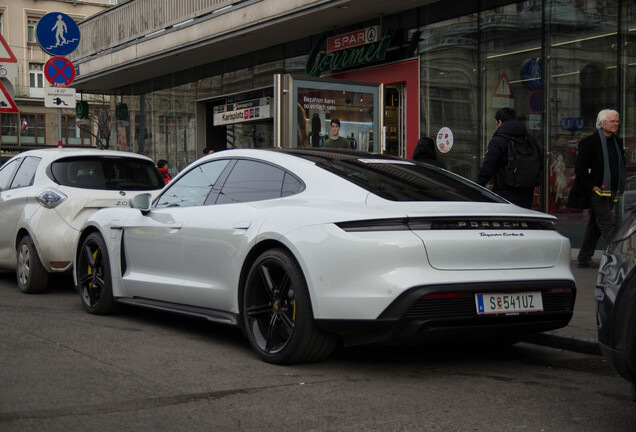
107,173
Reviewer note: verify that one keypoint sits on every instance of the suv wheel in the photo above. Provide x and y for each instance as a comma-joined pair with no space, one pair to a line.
32,278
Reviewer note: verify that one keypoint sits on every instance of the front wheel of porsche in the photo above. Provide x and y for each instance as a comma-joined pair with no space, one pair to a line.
93,276
277,313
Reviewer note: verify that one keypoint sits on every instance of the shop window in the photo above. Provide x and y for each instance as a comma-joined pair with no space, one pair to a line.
583,76
450,106
591,90
450,91
512,74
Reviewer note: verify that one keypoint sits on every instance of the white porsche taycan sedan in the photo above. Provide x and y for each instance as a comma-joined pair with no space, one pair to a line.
305,249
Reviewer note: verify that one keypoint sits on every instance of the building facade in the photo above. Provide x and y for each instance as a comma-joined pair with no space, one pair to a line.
169,69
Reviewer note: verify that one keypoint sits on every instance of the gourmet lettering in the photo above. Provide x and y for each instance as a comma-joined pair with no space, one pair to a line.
318,62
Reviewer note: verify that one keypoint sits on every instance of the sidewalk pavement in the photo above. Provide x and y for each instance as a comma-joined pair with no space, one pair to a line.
580,334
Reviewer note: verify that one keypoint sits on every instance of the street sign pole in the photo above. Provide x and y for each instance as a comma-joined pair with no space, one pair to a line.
58,35
59,127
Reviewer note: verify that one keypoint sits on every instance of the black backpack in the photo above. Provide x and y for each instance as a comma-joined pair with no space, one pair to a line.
524,163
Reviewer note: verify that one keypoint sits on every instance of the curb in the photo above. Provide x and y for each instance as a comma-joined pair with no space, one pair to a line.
566,343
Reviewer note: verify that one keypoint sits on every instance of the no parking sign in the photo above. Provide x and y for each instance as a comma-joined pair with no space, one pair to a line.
59,71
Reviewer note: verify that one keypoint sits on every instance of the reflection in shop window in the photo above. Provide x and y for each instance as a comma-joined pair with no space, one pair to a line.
450,105
583,76
592,90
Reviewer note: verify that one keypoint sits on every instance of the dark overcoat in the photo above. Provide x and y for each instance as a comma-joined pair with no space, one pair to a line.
589,170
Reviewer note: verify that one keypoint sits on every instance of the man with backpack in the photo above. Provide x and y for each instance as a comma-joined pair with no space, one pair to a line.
513,160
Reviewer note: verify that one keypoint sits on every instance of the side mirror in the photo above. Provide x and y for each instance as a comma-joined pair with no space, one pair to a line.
142,202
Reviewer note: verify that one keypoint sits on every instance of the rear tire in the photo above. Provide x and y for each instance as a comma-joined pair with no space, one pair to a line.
31,275
277,313
94,282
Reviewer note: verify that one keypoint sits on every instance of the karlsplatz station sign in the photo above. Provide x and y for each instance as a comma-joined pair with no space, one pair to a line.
361,47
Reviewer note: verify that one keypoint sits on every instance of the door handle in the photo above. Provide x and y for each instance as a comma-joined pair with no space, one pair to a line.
176,226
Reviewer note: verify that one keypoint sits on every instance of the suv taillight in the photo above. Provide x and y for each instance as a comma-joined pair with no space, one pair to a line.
50,198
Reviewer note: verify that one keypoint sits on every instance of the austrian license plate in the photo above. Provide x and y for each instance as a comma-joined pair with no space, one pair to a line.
505,303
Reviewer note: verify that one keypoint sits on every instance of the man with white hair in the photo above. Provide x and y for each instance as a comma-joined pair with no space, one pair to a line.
599,183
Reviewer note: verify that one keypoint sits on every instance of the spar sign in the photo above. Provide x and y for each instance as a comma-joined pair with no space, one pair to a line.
353,39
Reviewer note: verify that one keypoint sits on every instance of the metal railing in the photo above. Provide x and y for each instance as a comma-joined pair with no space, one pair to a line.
139,18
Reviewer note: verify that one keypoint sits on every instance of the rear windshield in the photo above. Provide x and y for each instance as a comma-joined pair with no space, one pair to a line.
107,173
401,179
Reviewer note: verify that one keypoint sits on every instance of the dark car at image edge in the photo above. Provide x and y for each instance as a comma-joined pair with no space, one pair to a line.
616,302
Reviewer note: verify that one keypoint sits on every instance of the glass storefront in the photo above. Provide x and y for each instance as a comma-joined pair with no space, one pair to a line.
449,94
627,38
556,62
583,79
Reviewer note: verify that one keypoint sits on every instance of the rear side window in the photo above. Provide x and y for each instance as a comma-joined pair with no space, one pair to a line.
107,173
257,181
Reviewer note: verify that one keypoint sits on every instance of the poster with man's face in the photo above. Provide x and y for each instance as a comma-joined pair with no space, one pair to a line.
316,107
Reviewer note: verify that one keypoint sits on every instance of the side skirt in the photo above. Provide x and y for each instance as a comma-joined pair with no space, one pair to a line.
216,316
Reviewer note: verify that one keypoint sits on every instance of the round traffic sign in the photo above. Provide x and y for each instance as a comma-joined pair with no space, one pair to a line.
59,71
57,34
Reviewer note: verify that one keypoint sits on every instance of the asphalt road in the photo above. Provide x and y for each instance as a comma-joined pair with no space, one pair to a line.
62,369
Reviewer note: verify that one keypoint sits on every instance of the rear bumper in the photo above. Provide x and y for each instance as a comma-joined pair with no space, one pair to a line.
412,318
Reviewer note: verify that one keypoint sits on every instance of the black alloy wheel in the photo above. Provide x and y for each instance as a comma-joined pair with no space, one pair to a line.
277,313
93,276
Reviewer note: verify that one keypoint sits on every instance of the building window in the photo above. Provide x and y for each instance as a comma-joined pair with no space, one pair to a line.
9,128
32,129
36,75
72,134
31,23
23,129
36,80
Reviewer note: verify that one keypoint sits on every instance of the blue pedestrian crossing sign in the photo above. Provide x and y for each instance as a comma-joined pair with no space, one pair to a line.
57,34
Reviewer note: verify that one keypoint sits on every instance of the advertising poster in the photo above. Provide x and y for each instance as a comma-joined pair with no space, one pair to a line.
353,106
